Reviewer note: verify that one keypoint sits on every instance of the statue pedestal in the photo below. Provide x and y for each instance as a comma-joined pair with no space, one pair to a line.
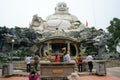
100,67
55,70
7,69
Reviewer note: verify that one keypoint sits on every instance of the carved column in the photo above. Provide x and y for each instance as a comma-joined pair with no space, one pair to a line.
76,49
68,46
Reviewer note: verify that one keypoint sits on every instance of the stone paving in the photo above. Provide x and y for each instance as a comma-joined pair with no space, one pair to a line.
112,74
115,71
81,78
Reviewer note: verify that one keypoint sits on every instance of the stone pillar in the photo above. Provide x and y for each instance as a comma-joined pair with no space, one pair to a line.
76,49
40,51
68,46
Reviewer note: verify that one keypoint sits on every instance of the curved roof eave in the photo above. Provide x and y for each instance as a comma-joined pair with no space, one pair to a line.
59,37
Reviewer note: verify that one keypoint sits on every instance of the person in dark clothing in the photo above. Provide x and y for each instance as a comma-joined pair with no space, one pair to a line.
36,62
90,64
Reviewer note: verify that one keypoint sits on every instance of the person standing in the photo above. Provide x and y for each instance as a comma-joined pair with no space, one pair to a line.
36,62
66,57
28,59
79,60
90,62
56,59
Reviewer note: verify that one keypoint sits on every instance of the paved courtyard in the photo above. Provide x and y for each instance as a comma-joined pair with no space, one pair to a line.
81,78
115,71
112,74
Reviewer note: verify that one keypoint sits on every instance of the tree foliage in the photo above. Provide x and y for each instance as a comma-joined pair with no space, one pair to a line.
114,30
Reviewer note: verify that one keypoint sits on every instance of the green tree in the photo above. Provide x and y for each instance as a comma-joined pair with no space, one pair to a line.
114,30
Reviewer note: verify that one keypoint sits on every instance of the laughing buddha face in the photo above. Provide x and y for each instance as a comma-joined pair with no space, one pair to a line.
61,8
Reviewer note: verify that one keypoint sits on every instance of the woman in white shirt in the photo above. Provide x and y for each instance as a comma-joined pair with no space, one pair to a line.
90,62
28,59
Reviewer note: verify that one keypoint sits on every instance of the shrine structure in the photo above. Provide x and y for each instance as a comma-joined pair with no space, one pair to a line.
59,30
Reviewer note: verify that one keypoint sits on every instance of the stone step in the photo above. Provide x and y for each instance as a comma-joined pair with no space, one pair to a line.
86,73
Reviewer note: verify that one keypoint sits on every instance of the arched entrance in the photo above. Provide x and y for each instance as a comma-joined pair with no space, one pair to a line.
57,47
72,50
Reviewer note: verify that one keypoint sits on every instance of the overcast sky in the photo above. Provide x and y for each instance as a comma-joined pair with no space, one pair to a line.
98,13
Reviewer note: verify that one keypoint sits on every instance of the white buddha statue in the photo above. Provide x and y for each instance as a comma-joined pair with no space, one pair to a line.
61,19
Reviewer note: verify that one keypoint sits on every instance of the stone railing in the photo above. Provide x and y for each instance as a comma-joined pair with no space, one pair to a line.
22,65
113,63
17,65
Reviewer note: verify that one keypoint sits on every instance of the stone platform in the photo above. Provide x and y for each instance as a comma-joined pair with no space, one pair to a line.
112,74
